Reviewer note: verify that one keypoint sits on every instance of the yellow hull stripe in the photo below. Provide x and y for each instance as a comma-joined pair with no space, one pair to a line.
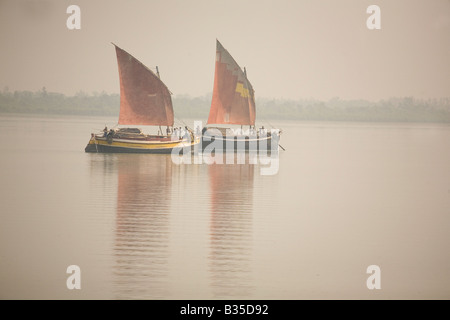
141,145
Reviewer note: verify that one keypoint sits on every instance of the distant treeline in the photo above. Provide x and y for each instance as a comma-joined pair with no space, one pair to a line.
406,109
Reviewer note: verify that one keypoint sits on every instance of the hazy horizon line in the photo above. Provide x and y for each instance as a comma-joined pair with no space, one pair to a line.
7,89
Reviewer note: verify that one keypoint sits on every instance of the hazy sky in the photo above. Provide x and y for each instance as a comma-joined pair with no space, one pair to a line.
291,49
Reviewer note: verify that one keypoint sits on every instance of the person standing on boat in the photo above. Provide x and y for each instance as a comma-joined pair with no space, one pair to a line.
105,131
197,131
263,131
187,134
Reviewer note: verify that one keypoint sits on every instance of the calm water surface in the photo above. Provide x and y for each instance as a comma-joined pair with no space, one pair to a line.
346,196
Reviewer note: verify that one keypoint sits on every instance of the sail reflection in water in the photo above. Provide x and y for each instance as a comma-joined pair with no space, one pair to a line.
231,228
142,226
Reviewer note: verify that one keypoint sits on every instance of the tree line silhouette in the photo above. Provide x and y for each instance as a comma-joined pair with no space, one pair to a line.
405,109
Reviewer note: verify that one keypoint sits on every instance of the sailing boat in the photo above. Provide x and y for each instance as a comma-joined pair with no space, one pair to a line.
233,103
144,100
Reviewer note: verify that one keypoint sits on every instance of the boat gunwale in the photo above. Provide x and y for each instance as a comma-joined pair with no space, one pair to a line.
135,141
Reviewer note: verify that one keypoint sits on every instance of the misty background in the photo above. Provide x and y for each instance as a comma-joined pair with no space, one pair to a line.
306,59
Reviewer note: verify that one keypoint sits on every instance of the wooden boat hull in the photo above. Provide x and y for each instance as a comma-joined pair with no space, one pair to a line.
103,145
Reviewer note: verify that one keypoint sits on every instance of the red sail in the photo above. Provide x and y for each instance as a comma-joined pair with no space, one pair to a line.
233,100
144,98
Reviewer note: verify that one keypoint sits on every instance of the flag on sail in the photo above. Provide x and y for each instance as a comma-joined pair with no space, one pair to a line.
144,98
233,100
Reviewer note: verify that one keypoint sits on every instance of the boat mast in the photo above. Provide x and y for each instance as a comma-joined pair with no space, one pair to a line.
245,74
160,129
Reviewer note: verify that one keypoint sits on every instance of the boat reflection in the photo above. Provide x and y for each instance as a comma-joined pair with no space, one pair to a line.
142,226
231,228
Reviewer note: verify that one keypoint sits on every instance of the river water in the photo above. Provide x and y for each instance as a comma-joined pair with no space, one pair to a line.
343,197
